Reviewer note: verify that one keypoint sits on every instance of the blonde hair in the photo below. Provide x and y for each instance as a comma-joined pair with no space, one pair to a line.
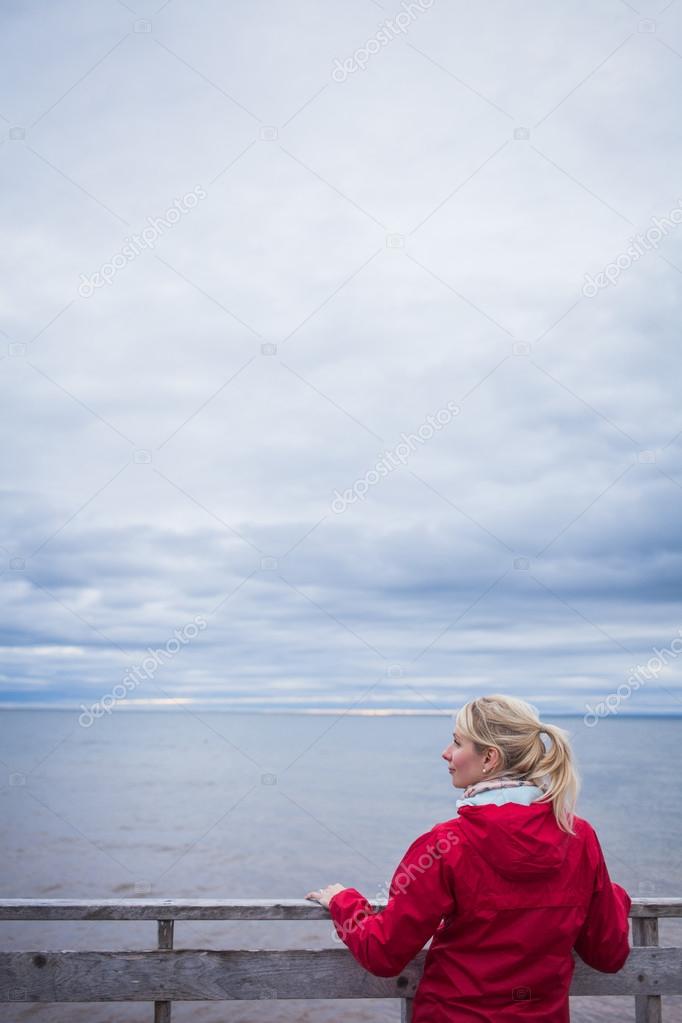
513,728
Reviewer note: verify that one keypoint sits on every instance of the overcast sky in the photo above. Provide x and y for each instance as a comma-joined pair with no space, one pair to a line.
376,217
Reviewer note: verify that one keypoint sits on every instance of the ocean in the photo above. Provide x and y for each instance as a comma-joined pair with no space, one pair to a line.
183,804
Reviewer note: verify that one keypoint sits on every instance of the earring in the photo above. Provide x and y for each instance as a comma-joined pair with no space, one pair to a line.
485,769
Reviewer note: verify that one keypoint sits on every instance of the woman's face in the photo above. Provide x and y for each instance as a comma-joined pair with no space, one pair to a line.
465,764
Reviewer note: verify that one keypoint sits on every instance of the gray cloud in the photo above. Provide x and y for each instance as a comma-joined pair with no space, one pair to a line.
367,251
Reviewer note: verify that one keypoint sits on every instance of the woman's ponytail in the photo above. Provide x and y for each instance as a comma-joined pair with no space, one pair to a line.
562,784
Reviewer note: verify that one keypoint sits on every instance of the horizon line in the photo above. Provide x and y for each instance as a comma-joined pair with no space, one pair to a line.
175,706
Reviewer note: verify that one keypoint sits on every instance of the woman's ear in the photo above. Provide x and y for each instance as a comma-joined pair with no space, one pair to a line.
492,759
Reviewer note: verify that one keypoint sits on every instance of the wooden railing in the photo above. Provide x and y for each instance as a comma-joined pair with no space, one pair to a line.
164,974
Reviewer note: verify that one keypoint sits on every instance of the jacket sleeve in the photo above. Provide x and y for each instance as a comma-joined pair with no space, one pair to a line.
420,894
603,941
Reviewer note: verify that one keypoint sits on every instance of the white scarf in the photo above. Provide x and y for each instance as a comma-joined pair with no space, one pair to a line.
502,781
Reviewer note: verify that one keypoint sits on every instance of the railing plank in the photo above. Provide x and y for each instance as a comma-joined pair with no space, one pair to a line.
170,909
212,974
197,974
224,909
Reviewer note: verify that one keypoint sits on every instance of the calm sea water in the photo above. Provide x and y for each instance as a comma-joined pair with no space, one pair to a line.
180,804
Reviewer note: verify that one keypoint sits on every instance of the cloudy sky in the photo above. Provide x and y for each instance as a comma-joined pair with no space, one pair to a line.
350,330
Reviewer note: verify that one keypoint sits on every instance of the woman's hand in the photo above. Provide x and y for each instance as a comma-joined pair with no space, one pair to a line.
324,895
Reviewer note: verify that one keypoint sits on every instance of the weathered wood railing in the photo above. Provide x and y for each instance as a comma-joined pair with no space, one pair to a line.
164,975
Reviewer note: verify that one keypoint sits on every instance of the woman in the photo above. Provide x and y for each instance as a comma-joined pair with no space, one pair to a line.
506,889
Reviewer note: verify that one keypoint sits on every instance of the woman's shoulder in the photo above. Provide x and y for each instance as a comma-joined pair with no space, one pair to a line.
588,834
584,829
441,838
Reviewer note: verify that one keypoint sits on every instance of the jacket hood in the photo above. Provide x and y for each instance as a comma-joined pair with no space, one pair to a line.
519,842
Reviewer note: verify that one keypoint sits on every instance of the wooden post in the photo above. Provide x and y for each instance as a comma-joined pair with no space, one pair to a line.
406,1010
162,1010
645,932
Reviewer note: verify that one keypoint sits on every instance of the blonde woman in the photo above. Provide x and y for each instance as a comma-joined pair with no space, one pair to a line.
506,889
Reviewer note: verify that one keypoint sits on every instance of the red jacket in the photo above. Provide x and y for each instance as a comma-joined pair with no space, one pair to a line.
506,895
